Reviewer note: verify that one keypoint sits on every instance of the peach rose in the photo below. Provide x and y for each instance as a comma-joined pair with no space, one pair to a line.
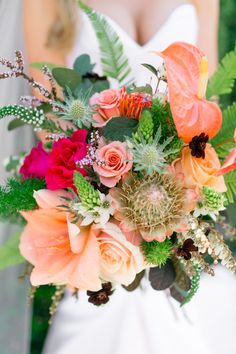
60,251
200,172
106,106
117,162
120,260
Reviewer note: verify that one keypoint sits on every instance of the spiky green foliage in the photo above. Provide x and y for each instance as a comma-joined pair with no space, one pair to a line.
230,181
76,110
145,128
195,282
88,195
114,62
224,140
156,253
151,157
17,195
27,115
222,82
213,200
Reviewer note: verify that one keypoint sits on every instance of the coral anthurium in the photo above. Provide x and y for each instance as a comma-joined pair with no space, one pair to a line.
187,76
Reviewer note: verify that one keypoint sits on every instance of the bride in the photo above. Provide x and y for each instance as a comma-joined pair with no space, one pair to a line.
145,321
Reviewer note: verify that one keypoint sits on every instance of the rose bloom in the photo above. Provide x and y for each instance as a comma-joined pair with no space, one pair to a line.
36,163
106,105
200,172
62,160
61,252
120,259
117,162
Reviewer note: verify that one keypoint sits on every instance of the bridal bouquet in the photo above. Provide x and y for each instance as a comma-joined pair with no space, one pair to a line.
128,180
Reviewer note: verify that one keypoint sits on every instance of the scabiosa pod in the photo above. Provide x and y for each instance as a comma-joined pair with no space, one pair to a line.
27,115
156,253
150,157
74,109
210,203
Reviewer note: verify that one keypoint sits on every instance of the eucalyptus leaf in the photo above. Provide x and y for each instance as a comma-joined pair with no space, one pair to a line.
119,128
162,278
15,123
83,64
144,89
151,68
135,284
9,252
67,78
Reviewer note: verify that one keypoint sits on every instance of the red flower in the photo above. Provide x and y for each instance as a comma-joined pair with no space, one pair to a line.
36,163
62,160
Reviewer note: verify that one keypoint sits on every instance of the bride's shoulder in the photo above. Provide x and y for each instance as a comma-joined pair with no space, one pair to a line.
205,5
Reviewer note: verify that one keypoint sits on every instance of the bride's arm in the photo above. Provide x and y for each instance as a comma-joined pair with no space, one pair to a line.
39,16
208,12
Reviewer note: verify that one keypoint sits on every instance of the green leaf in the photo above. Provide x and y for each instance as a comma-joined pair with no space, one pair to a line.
114,62
224,140
119,128
67,78
222,82
162,278
230,181
151,68
15,123
9,252
83,64
145,89
40,65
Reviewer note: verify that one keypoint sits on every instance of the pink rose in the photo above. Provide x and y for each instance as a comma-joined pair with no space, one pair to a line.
36,163
117,162
106,106
120,260
62,160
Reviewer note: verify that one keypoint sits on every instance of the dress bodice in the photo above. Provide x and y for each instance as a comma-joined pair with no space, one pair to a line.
181,25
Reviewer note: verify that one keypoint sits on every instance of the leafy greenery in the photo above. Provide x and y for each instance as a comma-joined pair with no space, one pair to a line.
195,281
67,78
222,82
114,62
230,181
224,140
17,195
162,278
155,252
9,252
119,128
83,64
40,65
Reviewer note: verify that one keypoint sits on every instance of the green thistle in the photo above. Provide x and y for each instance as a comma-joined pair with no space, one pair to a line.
88,195
213,200
151,157
145,128
76,110
195,282
156,253
27,115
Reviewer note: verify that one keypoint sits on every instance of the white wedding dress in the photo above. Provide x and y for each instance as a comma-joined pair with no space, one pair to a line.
147,321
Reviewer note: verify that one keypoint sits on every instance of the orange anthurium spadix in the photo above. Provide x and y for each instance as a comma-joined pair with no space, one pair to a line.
187,76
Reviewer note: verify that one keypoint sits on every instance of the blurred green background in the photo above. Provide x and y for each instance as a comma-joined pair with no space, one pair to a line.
227,39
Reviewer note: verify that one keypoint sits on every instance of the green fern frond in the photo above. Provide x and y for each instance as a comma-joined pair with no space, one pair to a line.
222,82
230,181
114,62
224,140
